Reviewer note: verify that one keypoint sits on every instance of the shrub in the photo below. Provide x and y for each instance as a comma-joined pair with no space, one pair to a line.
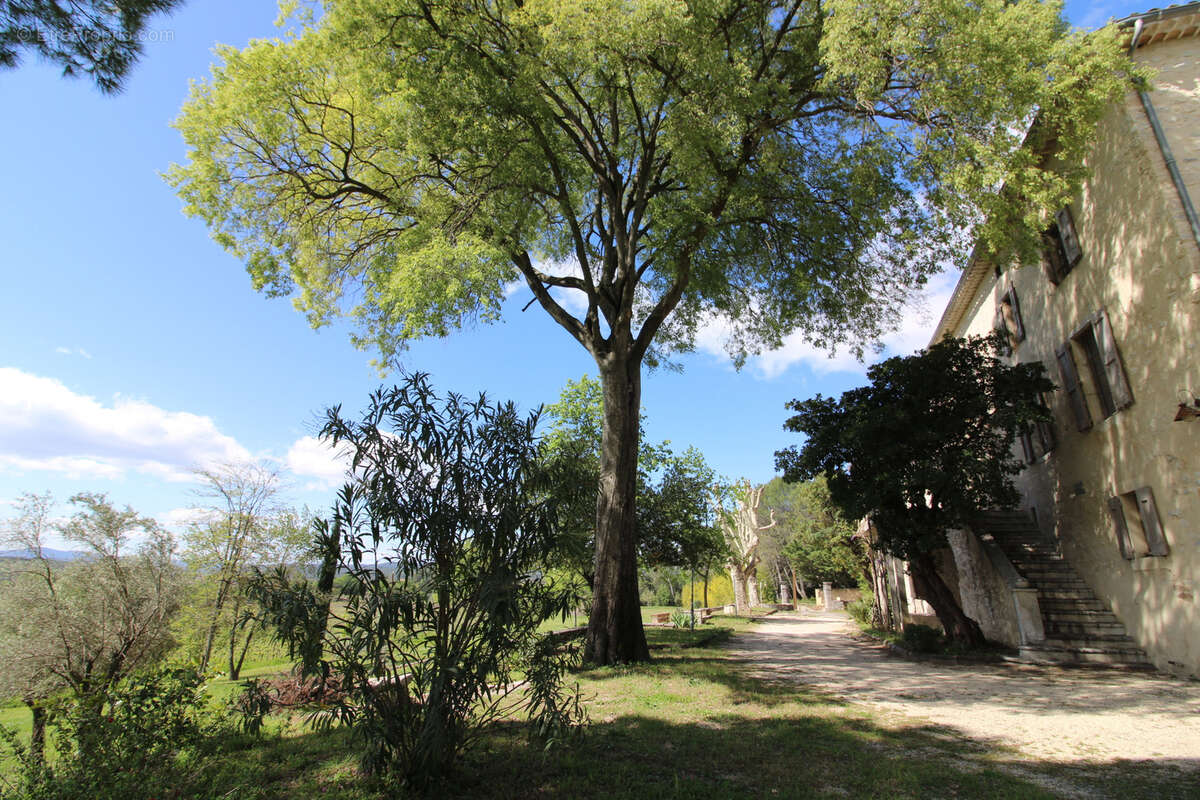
443,531
922,638
681,619
861,609
127,745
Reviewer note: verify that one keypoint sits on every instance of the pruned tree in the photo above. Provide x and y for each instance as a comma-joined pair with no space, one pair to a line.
82,626
99,38
742,532
782,165
921,449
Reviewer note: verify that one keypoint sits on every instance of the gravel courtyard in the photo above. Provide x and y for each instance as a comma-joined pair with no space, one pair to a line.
1045,713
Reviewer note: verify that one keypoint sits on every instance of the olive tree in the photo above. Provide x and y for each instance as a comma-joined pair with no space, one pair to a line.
82,626
776,166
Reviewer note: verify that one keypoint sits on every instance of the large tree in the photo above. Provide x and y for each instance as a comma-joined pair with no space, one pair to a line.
100,38
783,165
921,449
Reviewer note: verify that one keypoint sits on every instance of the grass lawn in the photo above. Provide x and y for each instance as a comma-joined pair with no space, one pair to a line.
691,724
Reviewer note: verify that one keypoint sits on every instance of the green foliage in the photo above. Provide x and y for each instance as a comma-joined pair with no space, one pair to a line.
673,525
128,745
443,531
922,639
923,447
84,625
860,610
100,38
816,539
682,619
251,706
785,167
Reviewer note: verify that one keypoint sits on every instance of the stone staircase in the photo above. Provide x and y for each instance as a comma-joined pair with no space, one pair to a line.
1080,628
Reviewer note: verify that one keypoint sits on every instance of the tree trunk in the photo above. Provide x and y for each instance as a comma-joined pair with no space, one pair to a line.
738,579
752,596
706,587
235,665
37,738
932,589
615,634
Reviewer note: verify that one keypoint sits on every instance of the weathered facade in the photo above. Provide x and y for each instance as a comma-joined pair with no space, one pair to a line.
1113,487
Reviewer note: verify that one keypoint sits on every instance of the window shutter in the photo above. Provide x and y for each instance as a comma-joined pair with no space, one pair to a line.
1114,371
1071,250
1027,446
1052,257
1046,433
1116,509
1066,366
1156,542
1018,329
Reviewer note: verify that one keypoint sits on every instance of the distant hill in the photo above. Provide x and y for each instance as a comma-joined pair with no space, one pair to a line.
48,552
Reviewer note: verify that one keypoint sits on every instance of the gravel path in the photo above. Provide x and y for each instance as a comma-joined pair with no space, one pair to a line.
1063,715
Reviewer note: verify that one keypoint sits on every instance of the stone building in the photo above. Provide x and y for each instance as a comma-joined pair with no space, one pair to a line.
1103,562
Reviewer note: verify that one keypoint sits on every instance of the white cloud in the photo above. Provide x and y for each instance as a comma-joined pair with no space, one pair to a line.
309,457
45,426
918,321
76,351
178,518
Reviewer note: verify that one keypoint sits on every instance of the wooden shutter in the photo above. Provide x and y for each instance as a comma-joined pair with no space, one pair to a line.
1114,370
1116,510
1066,366
1027,446
1014,311
1156,542
1052,256
1071,250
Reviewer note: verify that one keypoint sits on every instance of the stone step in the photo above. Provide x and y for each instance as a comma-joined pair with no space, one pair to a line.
1057,581
1062,629
1050,571
1071,605
1117,644
1064,593
1047,654
1073,615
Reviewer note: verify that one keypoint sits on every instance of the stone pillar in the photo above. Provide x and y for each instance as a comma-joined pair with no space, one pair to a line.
827,595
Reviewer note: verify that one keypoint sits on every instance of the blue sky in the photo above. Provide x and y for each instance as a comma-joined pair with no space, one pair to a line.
133,348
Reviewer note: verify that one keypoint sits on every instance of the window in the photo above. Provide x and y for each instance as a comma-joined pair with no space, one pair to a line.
1144,537
1008,319
1094,341
1061,250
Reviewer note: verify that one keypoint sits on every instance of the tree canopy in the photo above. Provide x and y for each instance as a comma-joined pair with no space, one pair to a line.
784,165
401,161
922,449
100,38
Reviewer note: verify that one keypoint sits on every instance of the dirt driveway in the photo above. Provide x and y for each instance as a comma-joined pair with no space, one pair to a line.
1051,713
